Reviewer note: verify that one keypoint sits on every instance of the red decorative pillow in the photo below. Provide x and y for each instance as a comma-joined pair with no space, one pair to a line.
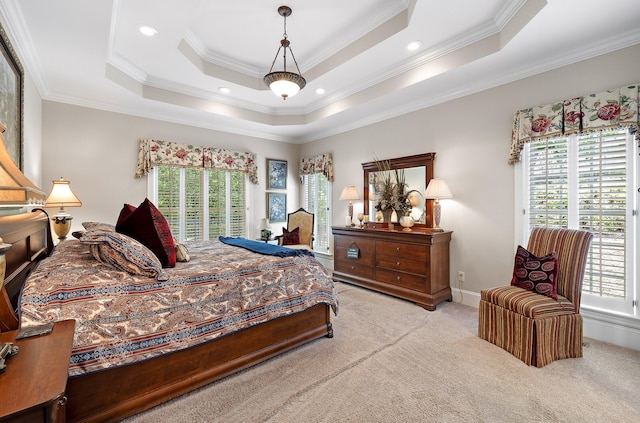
290,237
127,210
147,225
537,274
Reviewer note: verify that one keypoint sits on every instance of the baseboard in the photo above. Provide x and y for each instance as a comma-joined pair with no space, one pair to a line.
619,330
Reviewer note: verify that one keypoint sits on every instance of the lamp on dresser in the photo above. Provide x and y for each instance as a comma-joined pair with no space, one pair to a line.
436,190
350,193
62,196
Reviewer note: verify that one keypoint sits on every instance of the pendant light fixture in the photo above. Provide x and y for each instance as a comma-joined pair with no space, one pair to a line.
283,83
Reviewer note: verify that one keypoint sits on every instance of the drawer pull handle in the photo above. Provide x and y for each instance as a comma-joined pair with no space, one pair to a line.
398,263
398,249
398,277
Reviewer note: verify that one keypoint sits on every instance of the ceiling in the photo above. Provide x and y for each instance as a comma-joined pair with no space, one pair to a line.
91,53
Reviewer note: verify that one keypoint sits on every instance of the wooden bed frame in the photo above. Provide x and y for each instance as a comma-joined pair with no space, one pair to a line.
114,394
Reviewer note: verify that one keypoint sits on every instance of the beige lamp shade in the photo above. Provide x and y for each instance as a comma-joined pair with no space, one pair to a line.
62,196
349,193
437,189
16,190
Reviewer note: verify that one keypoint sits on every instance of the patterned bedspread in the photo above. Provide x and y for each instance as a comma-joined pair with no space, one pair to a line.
121,318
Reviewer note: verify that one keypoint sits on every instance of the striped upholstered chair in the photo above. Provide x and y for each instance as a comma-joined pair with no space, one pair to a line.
535,328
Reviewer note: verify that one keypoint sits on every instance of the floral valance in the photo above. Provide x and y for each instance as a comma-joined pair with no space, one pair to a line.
322,163
612,109
167,153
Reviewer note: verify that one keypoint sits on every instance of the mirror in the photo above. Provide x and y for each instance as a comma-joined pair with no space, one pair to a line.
418,171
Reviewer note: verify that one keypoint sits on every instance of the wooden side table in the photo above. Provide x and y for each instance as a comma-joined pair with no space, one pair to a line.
32,386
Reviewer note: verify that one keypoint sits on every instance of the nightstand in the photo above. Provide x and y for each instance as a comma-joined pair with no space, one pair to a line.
32,386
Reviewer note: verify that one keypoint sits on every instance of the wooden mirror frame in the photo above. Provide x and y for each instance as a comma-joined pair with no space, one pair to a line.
418,160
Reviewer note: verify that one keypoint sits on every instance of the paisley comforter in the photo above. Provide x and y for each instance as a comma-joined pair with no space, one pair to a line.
122,318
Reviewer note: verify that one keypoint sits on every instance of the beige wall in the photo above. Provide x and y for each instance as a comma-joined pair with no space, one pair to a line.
97,152
470,137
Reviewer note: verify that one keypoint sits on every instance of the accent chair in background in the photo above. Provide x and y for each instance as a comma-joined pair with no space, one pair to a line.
535,327
299,230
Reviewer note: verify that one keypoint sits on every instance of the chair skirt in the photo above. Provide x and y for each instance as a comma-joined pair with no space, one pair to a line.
535,341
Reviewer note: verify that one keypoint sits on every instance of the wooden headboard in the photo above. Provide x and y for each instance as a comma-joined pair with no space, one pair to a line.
25,240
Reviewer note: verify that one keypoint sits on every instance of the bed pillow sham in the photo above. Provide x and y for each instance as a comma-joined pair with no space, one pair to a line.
123,253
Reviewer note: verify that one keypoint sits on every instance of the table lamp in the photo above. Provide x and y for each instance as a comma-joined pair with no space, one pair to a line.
62,196
265,229
436,190
350,193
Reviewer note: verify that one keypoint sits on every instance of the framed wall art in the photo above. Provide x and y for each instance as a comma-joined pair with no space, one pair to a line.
276,174
277,206
11,98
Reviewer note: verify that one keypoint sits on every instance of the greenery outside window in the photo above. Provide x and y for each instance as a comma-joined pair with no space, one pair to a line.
200,204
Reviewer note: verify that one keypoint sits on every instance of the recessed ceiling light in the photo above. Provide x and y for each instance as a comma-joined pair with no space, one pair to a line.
149,31
414,45
224,90
320,91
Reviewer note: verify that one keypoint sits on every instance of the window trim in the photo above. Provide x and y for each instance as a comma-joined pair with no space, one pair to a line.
627,307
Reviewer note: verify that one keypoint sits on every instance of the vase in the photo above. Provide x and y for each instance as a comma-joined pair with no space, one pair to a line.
407,222
386,215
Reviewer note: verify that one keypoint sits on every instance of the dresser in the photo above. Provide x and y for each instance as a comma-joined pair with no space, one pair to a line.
410,265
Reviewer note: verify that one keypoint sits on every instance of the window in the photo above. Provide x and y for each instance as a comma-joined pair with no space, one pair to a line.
200,204
588,182
316,200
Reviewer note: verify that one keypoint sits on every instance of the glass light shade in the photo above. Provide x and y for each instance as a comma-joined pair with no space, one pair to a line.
349,193
62,196
284,88
437,189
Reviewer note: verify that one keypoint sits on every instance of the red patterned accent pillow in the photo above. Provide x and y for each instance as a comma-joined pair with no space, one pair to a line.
127,210
290,237
537,274
147,225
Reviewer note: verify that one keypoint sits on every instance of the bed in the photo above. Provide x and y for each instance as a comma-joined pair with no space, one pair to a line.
266,305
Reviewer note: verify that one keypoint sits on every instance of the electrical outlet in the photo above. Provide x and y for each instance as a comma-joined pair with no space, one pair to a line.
460,276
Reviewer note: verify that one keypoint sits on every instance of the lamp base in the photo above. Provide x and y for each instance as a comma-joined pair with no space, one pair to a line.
61,226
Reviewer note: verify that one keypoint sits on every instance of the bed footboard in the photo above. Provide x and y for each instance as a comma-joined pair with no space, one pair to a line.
114,394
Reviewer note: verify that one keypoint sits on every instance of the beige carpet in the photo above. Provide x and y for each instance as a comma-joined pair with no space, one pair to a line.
392,361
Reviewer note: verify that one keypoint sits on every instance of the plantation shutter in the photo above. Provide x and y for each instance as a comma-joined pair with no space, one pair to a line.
194,214
602,199
169,196
548,183
217,204
587,182
237,220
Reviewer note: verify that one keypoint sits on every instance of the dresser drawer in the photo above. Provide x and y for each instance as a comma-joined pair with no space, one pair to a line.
400,249
405,280
365,247
352,241
402,264
354,268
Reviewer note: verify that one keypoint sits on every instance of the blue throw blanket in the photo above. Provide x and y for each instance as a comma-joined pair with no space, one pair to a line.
262,247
